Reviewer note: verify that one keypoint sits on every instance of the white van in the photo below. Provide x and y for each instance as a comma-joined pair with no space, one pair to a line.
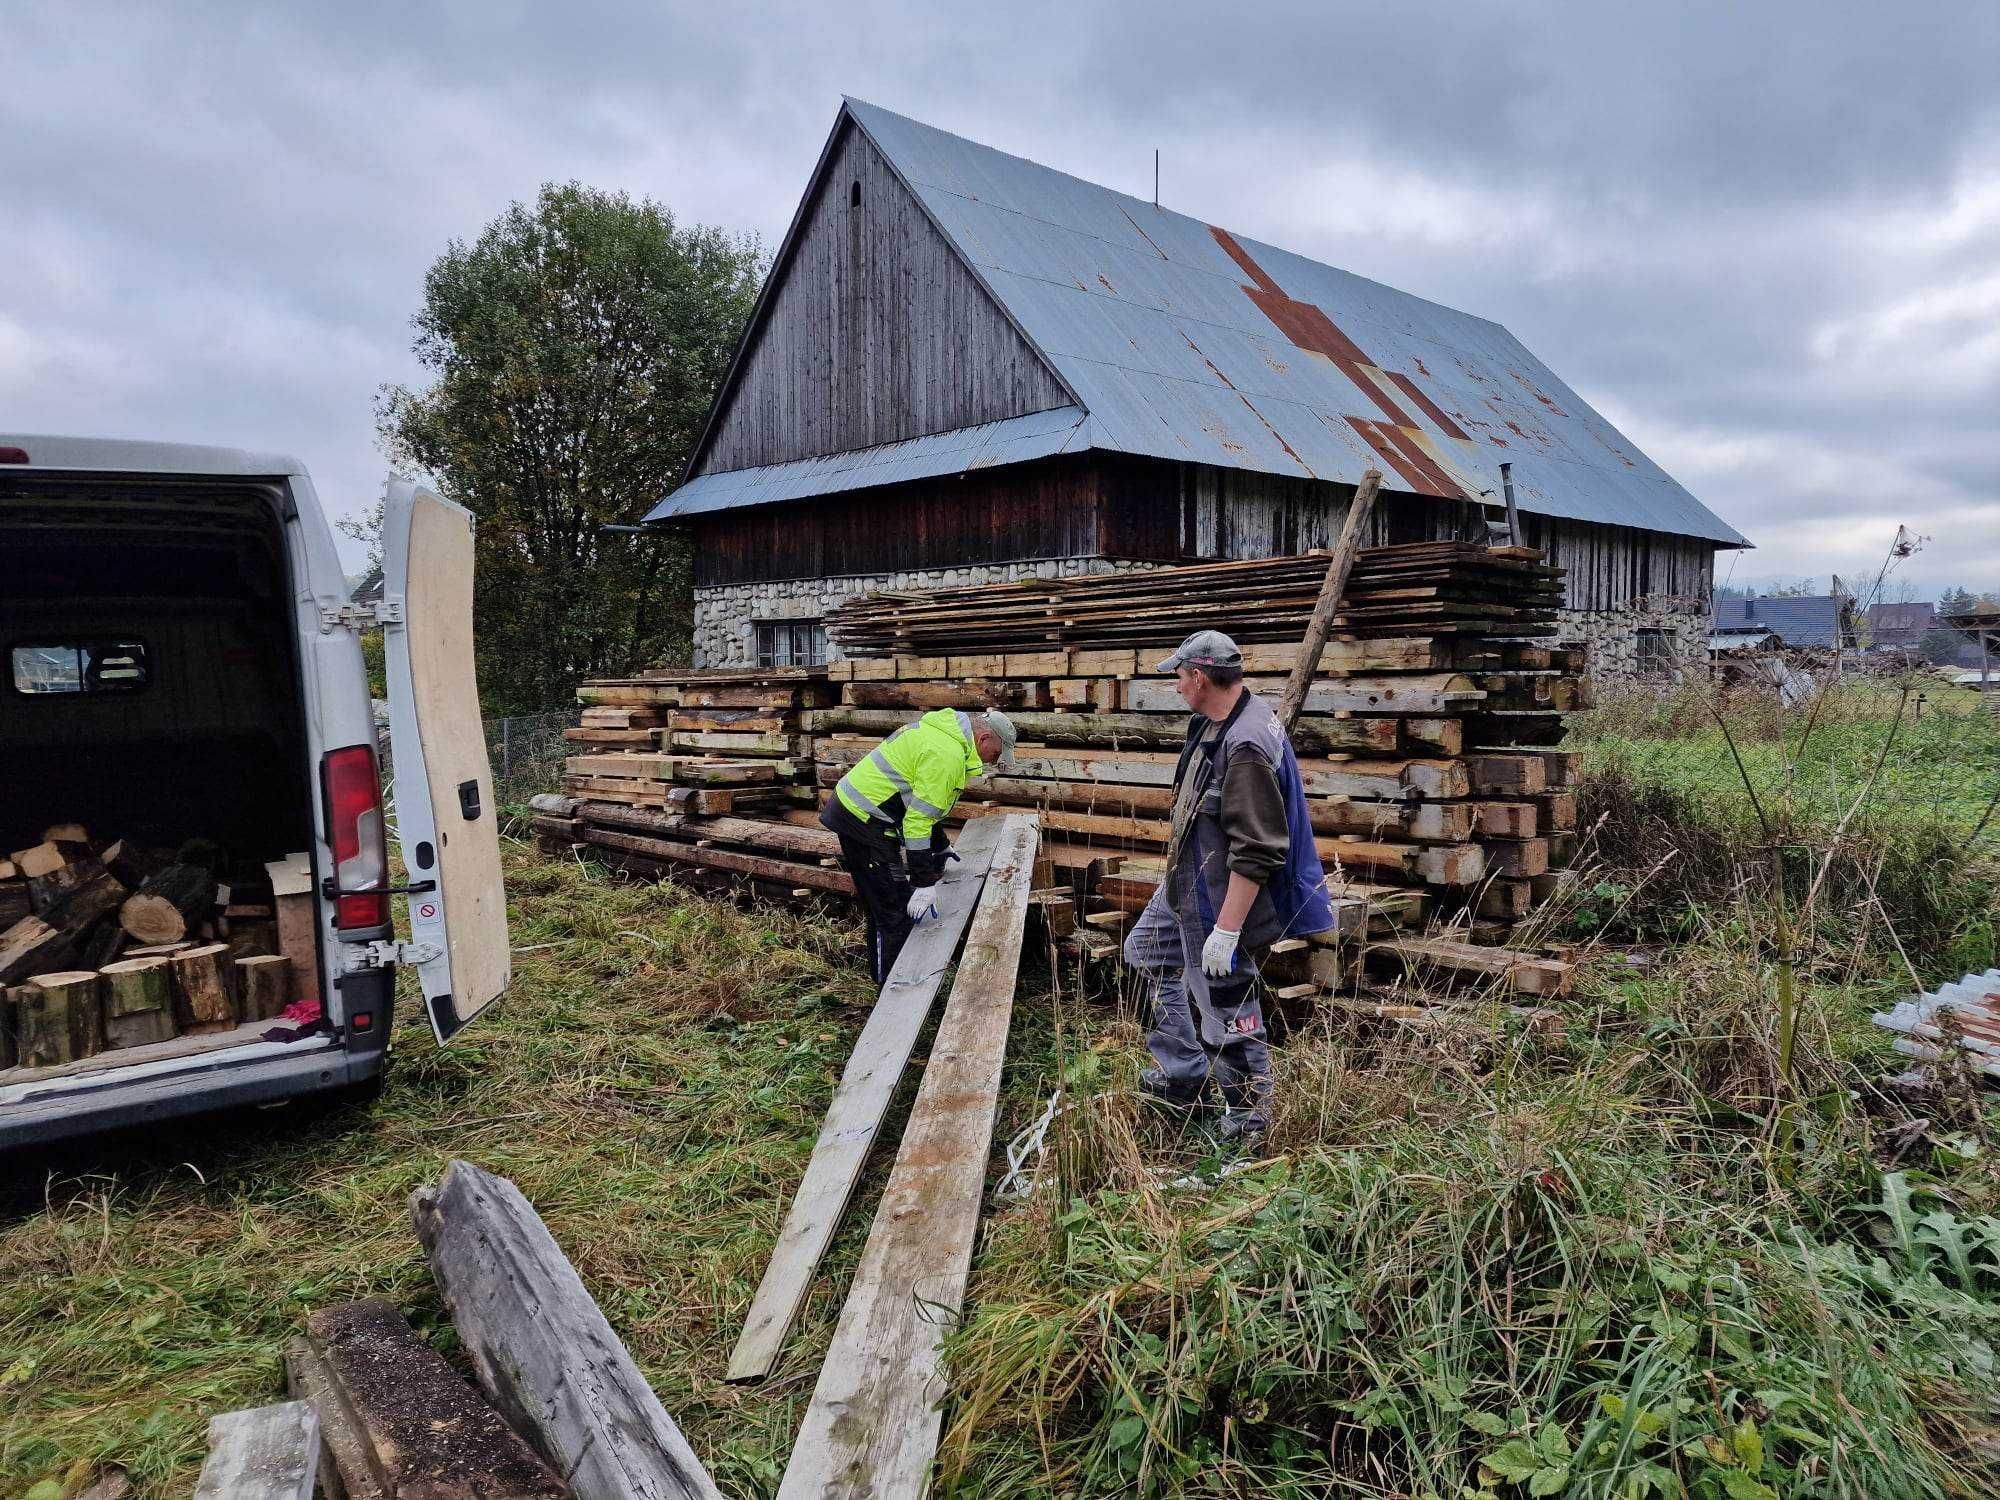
183,663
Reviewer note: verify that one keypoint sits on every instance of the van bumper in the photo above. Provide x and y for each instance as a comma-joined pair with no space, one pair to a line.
66,1114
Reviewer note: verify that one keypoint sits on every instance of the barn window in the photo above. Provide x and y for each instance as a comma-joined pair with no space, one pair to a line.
1656,653
854,195
790,643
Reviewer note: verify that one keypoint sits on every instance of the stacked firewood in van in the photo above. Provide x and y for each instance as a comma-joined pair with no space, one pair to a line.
703,773
113,945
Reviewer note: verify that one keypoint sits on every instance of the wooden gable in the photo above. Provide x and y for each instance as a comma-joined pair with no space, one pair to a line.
873,329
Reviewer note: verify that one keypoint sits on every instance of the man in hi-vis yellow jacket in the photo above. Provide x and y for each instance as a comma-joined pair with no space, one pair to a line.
889,811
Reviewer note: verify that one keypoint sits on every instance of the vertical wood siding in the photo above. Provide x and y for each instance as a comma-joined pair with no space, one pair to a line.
1023,512
1108,505
876,332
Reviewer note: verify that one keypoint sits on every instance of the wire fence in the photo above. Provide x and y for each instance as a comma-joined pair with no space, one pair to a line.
526,753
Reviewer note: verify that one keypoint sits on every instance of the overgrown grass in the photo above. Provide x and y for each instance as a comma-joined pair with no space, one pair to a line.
1876,801
1629,1254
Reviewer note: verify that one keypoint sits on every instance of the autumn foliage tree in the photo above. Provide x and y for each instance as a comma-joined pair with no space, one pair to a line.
574,347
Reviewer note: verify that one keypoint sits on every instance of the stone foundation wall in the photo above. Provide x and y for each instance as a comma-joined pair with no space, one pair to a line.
723,616
1613,638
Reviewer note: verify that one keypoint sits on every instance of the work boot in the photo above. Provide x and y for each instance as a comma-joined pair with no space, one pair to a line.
1156,1088
1241,1127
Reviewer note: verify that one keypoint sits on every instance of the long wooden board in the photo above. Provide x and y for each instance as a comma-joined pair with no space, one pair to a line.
880,1054
872,1426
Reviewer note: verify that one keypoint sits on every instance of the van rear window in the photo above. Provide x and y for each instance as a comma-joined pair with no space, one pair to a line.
102,666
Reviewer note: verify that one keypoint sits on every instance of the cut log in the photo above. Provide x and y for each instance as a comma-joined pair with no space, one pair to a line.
169,905
133,864
103,944
861,1101
14,903
58,1018
31,946
542,1350
298,921
204,988
266,1453
250,939
138,1002
8,1027
423,1433
264,983
157,950
66,833
39,860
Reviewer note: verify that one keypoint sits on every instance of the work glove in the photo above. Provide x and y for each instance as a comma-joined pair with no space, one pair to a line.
1218,954
922,903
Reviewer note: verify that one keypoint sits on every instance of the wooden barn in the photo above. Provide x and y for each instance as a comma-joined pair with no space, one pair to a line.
967,367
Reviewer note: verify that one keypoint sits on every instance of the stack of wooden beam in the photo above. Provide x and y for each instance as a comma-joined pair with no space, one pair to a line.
700,773
1444,588
1427,743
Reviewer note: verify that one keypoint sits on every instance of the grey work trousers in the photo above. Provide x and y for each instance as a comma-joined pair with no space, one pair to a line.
1202,1028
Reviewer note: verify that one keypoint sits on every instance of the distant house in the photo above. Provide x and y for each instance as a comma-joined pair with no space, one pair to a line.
1824,620
966,367
1898,627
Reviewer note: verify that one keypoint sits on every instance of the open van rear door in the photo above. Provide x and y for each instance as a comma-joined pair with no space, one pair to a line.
446,822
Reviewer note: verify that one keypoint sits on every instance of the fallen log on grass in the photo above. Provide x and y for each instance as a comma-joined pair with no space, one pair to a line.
542,1350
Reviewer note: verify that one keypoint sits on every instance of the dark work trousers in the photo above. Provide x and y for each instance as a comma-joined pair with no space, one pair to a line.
884,889
1203,1030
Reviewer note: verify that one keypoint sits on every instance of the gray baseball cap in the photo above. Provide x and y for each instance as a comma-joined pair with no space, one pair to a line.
1003,729
1205,648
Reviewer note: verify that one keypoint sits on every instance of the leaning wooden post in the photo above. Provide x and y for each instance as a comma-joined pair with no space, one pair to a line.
1321,624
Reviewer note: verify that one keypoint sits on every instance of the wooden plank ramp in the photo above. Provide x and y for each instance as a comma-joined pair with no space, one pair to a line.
873,1424
880,1054
542,1349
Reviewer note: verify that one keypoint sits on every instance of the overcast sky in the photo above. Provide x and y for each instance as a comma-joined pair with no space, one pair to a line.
1763,239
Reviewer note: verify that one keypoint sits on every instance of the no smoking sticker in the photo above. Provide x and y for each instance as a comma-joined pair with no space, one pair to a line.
427,911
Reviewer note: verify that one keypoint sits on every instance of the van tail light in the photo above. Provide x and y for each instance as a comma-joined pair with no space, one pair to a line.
355,830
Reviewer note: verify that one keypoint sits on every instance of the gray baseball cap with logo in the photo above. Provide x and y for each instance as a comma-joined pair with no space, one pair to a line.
1003,730
1205,648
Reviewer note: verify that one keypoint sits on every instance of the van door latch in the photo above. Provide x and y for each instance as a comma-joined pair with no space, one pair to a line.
360,616
381,953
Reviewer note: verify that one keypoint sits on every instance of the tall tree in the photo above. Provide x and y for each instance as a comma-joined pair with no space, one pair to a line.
575,348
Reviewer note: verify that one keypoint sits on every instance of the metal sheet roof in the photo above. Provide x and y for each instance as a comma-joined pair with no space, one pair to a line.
1038,435
1808,620
1184,341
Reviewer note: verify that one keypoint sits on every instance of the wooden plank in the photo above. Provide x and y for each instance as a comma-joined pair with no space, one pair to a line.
264,1453
1371,777
1427,693
1371,736
944,693
667,851
343,1462
872,1426
421,1430
859,1103
542,1351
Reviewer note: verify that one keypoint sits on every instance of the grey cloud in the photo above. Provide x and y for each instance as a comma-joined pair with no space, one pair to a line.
1760,236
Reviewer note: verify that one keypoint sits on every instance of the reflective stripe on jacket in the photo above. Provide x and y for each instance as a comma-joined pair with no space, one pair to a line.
912,779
